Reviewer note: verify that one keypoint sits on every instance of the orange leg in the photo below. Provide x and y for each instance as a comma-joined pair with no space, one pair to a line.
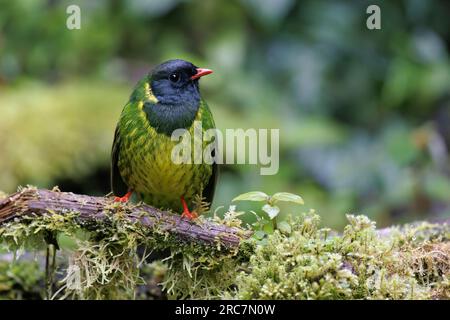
125,198
186,213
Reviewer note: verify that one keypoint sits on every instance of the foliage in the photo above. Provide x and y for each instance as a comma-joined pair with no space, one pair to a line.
270,207
20,280
363,114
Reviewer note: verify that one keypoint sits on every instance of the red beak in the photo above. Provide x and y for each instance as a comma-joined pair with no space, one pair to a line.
200,73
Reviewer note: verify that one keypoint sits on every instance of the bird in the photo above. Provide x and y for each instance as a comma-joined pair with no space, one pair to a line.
166,99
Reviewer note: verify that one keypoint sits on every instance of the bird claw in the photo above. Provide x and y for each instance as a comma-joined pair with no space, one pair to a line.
186,213
120,199
124,199
189,215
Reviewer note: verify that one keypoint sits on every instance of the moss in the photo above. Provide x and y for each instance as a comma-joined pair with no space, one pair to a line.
359,264
103,256
303,261
31,152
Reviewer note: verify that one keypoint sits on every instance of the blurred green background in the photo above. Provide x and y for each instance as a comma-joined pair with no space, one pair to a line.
364,116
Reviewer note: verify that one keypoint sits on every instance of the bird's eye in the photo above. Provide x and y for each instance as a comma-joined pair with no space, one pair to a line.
174,77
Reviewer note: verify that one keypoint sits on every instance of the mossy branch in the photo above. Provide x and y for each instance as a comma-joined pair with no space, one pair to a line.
31,201
215,258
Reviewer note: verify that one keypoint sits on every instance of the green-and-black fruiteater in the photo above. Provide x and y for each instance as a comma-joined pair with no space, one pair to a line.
163,101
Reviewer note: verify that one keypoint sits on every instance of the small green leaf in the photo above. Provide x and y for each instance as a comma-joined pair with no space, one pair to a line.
259,234
252,196
272,211
262,242
260,223
288,197
284,227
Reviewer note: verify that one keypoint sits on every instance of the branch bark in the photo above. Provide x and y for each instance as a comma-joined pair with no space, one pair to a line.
41,201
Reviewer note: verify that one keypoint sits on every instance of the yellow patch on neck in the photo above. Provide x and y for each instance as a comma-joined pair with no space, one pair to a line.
149,94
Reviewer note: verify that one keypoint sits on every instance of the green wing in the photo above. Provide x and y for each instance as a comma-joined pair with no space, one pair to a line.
118,186
208,123
208,191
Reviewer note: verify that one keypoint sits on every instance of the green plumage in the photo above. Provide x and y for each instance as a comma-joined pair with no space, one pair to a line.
142,149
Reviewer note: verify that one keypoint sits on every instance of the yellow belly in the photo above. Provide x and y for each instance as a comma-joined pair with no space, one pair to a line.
148,169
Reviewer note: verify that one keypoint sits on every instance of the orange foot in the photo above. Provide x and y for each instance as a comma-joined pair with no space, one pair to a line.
125,198
186,213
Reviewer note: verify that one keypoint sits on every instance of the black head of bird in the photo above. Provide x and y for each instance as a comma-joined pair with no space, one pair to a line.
175,85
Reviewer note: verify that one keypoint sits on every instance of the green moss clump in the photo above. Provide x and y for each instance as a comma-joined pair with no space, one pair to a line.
202,273
359,264
30,150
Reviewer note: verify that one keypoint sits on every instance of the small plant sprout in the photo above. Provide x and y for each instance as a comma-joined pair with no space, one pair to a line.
270,206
